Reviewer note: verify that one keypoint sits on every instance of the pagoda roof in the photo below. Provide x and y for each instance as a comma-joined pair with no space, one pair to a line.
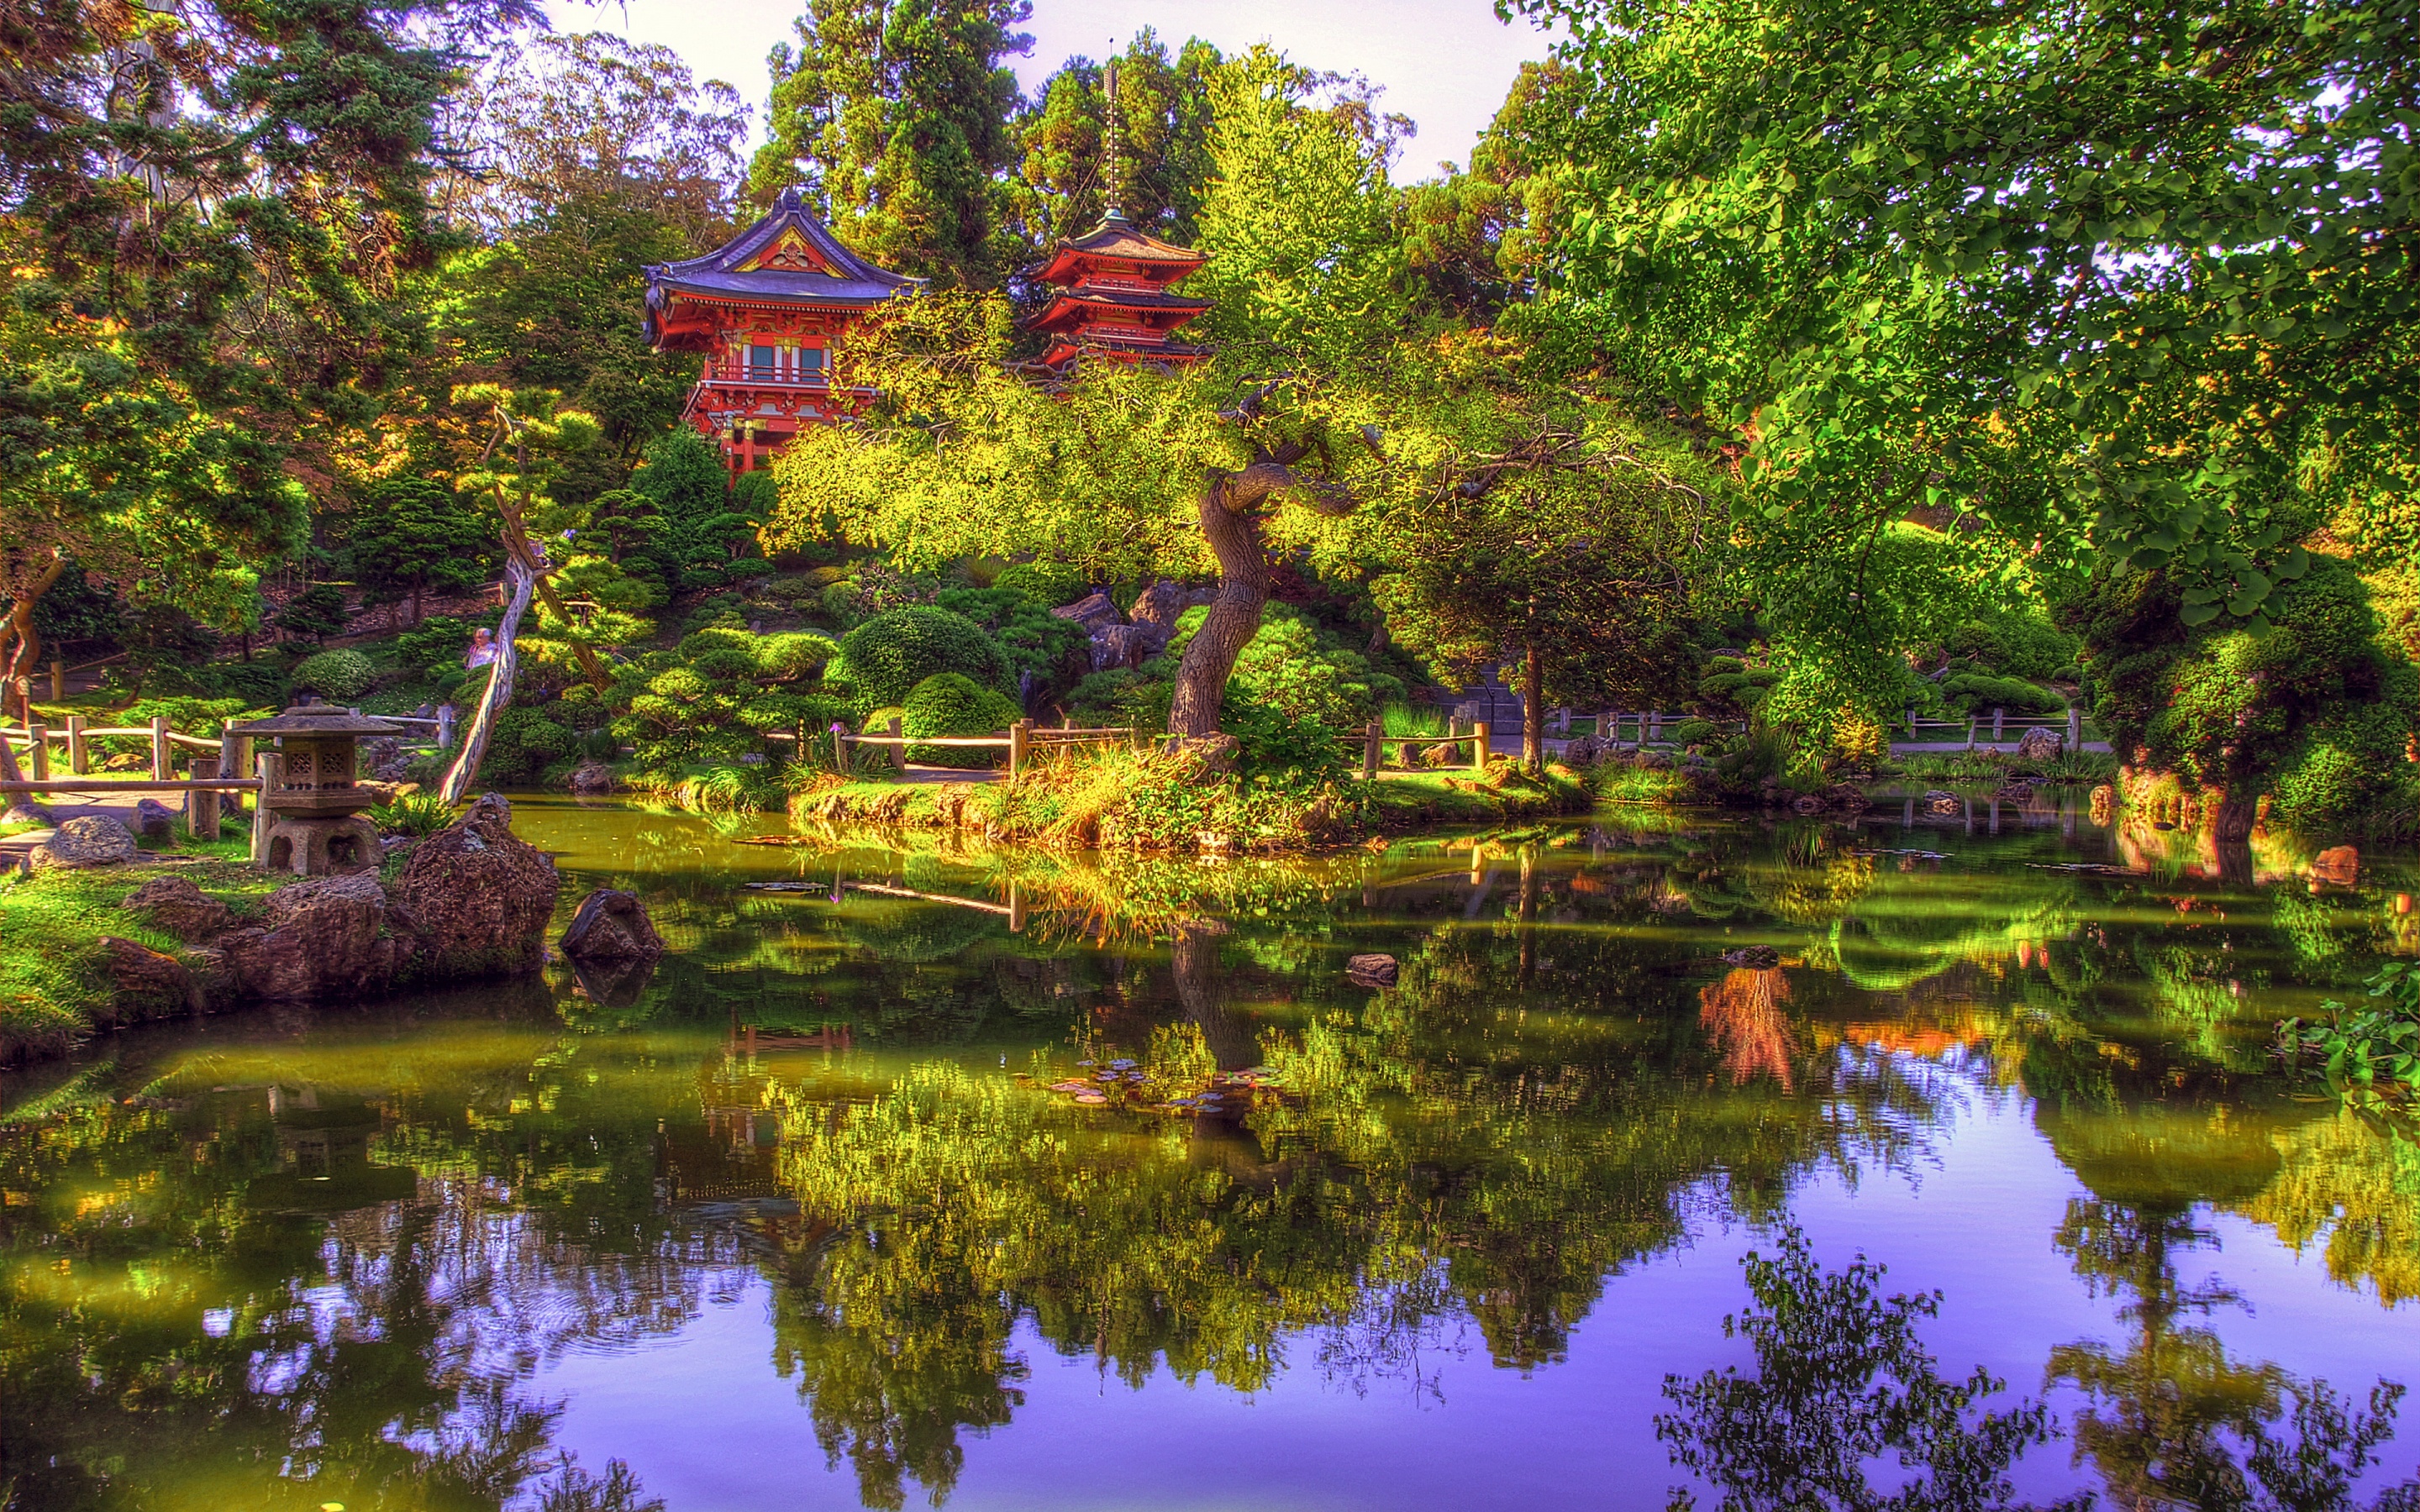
1069,306
788,257
1115,239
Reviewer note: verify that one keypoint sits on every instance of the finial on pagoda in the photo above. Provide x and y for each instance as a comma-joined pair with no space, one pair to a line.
1115,213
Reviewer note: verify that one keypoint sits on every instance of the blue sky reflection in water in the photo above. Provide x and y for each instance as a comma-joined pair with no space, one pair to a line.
419,1252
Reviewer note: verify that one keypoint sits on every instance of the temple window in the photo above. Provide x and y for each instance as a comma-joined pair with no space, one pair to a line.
811,365
760,362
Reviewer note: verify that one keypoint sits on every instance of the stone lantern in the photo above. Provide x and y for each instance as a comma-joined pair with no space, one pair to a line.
313,805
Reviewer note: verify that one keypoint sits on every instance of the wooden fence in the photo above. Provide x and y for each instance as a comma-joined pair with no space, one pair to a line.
1021,740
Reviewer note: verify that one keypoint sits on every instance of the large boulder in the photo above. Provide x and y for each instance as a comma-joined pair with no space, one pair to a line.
612,924
146,984
323,937
477,898
1094,613
93,839
1126,645
1159,605
175,904
2039,745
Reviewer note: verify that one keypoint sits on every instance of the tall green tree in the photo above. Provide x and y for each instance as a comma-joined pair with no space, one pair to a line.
411,535
1163,170
2129,287
893,117
208,210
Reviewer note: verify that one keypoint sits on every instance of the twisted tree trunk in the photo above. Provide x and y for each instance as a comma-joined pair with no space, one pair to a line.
28,640
1231,521
520,581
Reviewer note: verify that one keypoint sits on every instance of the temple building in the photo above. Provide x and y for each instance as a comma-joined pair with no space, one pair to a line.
766,310
1114,283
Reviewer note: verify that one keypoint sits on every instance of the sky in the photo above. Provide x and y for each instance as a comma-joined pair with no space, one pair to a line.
1445,63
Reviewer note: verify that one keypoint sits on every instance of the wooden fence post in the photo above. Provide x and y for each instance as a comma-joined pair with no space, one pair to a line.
1911,722
898,748
202,805
79,763
235,755
270,767
1999,723
1019,734
2075,728
1973,723
1370,735
1479,746
41,737
1016,908
161,771
58,679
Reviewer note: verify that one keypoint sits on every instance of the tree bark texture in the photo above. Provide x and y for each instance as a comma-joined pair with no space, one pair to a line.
1533,711
519,581
1231,521
27,641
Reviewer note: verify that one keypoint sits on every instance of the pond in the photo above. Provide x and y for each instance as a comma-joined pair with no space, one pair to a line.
817,1215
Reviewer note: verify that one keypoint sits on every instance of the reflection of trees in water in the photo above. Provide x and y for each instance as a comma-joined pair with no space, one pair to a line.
252,1303
1842,1381
2174,1422
2360,1185
1439,1154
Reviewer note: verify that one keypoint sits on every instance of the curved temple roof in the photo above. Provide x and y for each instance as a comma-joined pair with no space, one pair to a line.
814,267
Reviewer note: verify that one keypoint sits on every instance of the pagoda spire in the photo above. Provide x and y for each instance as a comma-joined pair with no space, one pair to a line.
1114,212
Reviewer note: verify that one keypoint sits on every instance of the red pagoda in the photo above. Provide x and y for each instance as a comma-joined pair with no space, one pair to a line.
766,309
1113,298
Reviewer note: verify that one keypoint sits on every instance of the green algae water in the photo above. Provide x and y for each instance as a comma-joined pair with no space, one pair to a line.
915,1175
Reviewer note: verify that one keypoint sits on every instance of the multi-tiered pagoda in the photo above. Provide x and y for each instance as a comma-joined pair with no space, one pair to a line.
1116,295
767,309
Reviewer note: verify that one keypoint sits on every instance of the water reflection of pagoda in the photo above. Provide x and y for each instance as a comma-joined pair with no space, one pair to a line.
1116,295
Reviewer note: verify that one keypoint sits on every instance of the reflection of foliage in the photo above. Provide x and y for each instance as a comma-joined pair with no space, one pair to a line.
2361,1186
1743,1015
2174,1421
1841,1379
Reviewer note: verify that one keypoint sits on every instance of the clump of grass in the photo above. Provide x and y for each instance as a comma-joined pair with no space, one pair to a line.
1417,720
413,813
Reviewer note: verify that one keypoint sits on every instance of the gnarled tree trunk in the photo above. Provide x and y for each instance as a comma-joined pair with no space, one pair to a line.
520,582
1533,711
1231,521
19,696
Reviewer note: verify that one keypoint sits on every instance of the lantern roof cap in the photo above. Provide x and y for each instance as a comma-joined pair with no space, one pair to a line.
316,720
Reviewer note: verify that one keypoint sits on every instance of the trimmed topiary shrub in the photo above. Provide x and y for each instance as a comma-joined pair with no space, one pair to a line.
524,743
1974,693
882,661
954,704
338,677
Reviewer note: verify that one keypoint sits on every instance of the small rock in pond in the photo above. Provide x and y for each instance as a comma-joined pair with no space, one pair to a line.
1372,970
1754,957
612,924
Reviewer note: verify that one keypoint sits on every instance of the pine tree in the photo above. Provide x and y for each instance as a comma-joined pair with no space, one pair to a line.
893,117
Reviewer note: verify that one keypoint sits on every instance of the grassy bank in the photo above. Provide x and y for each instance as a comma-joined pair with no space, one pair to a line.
55,986
1124,799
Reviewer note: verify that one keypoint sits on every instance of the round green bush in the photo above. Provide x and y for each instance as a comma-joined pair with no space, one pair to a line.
335,676
882,661
954,704
523,744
